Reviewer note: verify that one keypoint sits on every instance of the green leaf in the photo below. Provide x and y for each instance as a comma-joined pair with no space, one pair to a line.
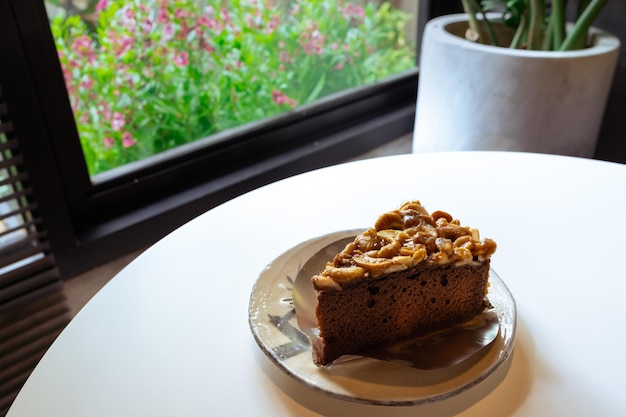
577,38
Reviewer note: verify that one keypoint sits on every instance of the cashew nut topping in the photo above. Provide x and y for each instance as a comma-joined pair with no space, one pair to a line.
403,238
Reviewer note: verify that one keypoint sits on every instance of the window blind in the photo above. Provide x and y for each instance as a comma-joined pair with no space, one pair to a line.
32,304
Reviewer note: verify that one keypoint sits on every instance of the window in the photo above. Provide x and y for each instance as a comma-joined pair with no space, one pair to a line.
145,77
91,220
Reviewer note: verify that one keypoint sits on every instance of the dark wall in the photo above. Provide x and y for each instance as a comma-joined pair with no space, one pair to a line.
612,142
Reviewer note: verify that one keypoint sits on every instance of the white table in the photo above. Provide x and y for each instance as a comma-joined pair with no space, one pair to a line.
169,335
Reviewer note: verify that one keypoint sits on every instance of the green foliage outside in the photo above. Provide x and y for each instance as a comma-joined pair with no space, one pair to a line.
145,77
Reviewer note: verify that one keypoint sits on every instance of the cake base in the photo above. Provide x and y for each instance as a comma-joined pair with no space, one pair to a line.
398,306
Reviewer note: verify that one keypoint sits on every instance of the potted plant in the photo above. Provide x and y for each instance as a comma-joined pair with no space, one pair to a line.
514,75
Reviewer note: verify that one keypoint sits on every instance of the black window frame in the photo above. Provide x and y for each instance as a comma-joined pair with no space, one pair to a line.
89,224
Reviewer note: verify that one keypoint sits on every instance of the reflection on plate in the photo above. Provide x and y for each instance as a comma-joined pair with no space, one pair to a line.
275,328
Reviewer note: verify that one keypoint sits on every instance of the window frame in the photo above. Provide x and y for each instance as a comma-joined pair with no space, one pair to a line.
89,224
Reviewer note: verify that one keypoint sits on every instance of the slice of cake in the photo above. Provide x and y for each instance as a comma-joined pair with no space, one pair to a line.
413,273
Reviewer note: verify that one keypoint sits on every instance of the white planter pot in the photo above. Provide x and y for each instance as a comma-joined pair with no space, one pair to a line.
480,97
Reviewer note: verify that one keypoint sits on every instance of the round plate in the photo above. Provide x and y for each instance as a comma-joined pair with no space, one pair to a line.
273,322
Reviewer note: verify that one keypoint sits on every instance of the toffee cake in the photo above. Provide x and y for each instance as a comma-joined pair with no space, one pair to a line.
412,274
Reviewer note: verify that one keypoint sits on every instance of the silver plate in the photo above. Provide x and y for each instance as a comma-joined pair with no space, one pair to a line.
273,322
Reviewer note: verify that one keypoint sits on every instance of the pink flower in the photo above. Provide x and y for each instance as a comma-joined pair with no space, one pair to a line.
108,142
226,16
102,4
280,98
181,14
181,59
168,32
128,18
163,15
351,11
210,23
118,122
128,140
82,46
312,40
272,25
86,83
146,26
121,44
205,21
